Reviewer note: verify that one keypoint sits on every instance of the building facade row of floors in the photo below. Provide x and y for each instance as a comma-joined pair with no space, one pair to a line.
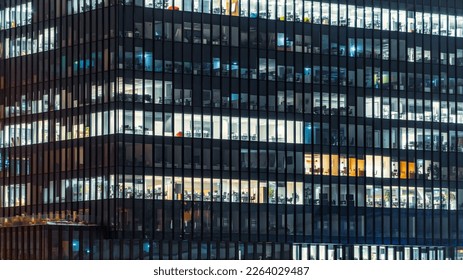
52,241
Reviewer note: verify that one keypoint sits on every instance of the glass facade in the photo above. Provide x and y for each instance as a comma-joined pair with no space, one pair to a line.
231,129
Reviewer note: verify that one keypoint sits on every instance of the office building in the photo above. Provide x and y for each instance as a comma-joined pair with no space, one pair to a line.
228,129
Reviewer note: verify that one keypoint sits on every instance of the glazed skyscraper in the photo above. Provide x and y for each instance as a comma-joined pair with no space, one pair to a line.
226,129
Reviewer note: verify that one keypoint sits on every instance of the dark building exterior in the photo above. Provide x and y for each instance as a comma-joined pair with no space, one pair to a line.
227,129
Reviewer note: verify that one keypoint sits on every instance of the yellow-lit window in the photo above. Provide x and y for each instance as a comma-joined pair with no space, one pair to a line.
326,165
335,165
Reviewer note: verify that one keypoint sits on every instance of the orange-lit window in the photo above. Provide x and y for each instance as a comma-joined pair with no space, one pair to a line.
352,167
361,167
411,170
403,170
